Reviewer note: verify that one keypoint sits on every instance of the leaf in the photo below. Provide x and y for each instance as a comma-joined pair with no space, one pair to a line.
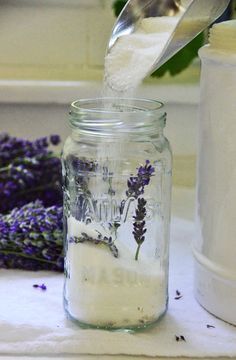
118,6
182,59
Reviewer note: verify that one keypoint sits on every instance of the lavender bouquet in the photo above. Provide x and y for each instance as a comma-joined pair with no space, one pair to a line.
28,171
31,238
30,204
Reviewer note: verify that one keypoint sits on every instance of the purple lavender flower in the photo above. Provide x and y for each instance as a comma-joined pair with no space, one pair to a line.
55,139
108,241
12,148
31,238
41,143
79,165
80,169
139,224
137,183
42,286
28,171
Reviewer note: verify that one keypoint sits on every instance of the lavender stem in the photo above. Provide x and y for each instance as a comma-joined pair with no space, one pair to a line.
6,252
137,251
6,168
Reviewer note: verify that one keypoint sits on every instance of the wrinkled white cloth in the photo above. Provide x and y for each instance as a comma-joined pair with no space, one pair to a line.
32,321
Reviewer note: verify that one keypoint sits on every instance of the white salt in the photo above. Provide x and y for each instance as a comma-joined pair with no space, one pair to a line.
105,290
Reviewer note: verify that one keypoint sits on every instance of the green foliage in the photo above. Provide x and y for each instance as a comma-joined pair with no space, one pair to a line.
118,6
181,60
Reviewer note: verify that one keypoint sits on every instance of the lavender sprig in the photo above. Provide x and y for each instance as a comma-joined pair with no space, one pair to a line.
80,170
137,183
139,224
42,286
31,238
99,240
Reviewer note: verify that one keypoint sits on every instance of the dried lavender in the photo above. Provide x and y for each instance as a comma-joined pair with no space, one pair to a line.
210,326
31,238
12,148
178,295
28,171
80,170
42,286
139,224
107,177
108,241
136,185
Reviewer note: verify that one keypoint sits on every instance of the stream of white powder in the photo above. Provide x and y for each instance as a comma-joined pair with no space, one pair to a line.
132,57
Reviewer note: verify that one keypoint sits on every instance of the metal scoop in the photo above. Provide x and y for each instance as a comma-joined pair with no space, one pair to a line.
194,17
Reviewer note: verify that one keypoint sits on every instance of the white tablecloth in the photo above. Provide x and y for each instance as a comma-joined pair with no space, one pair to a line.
32,321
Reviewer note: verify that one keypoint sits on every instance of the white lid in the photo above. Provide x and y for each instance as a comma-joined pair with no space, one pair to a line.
223,36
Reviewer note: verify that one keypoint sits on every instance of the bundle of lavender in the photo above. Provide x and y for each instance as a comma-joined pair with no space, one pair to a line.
31,238
28,171
30,204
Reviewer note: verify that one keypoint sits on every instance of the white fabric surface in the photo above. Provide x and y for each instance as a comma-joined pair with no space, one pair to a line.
32,321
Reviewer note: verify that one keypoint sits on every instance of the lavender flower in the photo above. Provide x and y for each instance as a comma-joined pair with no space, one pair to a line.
139,224
31,238
55,139
42,287
81,166
80,169
137,183
28,171
12,148
108,241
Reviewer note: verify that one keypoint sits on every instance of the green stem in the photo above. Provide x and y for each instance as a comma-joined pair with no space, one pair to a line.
6,168
5,252
50,156
137,252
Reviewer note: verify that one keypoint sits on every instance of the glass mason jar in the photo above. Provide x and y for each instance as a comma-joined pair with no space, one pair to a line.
117,185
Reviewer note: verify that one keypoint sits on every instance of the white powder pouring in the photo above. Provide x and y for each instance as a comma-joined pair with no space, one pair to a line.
132,56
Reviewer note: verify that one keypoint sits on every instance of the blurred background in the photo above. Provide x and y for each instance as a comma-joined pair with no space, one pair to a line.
52,52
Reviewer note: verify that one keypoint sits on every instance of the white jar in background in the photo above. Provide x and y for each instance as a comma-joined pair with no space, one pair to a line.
215,245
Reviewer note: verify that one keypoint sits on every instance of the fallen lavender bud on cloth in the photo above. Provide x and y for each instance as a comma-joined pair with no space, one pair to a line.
31,238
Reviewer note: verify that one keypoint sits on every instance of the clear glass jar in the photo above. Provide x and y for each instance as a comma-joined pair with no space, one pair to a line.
117,185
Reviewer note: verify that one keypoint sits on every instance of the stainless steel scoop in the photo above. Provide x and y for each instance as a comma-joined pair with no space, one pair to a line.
194,17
